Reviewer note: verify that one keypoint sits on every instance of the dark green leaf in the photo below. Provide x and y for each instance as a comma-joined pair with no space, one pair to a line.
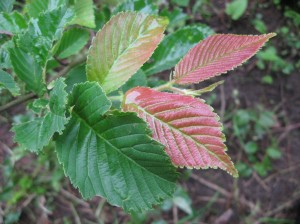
183,3
6,5
71,42
142,6
176,17
74,76
27,69
173,48
113,156
13,22
35,134
84,13
138,79
7,81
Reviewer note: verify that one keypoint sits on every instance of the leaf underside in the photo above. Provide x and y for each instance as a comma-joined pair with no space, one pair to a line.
123,45
113,156
216,55
187,127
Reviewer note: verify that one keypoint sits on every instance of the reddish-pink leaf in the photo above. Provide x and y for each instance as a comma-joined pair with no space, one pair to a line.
216,55
187,127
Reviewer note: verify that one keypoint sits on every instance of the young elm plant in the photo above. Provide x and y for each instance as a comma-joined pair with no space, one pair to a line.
128,156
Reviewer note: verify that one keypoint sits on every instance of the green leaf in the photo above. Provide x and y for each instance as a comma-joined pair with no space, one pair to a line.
43,31
172,49
8,82
138,79
176,17
113,156
84,13
13,22
123,45
4,55
27,69
71,42
274,152
251,148
142,6
6,5
36,134
36,7
236,8
183,3
74,76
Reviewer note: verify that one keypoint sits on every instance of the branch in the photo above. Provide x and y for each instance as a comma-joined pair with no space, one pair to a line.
18,100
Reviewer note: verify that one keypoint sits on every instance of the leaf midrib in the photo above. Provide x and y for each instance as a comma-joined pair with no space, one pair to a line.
215,60
116,149
187,136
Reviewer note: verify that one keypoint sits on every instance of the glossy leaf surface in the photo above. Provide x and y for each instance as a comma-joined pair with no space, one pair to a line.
72,42
173,48
113,156
35,134
7,81
188,128
123,45
216,55
36,7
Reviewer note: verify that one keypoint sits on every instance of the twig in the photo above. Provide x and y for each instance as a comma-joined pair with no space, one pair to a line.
221,190
99,209
289,169
73,198
6,33
18,100
76,216
175,214
261,182
66,69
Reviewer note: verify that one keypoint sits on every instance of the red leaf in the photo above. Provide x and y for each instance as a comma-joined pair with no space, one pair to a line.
187,127
216,55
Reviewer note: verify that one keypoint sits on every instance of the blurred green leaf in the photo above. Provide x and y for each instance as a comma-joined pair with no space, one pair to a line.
251,148
236,8
259,25
274,152
243,169
84,13
183,3
6,5
138,79
267,79
177,17
7,81
142,6
173,48
72,41
13,22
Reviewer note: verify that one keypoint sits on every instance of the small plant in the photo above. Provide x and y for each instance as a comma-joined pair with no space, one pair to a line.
127,155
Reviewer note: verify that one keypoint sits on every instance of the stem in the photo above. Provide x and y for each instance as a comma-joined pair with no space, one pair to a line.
28,96
18,100
167,86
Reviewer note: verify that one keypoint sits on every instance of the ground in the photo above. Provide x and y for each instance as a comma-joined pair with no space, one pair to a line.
217,196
